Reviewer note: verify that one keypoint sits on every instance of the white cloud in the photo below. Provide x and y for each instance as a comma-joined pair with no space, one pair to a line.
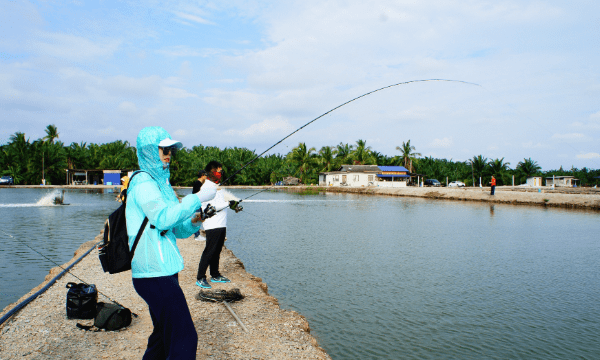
267,126
531,145
175,93
185,71
186,51
108,131
589,156
128,108
441,143
572,137
71,47
595,115
192,17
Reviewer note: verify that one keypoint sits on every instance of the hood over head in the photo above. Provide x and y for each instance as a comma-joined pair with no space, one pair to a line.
147,152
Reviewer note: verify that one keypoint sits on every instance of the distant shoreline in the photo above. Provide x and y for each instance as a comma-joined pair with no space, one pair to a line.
570,198
562,197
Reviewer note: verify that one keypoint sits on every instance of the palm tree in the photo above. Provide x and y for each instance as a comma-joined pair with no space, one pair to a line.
51,134
408,155
380,159
528,167
342,153
498,168
478,166
305,159
326,158
362,153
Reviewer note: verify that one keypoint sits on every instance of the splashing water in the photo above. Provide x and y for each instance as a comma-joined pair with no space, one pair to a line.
49,199
46,200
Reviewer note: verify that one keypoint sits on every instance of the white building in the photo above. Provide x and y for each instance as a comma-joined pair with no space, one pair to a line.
534,181
366,175
568,181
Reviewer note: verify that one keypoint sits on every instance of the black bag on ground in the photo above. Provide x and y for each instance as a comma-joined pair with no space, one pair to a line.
109,317
114,253
81,301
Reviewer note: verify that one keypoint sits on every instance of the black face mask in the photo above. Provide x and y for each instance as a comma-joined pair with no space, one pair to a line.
170,150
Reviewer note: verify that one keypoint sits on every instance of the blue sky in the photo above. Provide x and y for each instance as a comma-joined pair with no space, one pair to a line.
247,73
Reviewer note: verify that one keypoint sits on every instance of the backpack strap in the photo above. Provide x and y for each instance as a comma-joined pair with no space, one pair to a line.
162,233
86,327
139,235
141,230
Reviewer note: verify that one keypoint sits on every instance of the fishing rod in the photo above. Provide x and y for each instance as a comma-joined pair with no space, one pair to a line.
335,108
55,263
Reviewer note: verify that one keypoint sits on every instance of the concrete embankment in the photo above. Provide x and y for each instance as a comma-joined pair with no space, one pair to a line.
572,198
41,329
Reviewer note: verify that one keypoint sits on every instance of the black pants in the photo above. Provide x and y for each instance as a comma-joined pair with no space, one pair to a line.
215,238
493,189
174,335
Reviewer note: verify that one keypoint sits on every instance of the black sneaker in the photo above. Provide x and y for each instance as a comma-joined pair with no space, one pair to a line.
203,284
220,279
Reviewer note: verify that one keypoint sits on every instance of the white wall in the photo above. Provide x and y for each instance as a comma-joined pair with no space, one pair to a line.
534,181
352,179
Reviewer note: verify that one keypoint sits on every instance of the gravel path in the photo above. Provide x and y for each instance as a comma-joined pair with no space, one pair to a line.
42,331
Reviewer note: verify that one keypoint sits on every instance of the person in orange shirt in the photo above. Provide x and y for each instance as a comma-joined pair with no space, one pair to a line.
493,183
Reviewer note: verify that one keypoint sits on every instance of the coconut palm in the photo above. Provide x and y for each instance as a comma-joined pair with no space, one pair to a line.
305,159
51,134
380,159
342,153
408,155
528,167
326,158
362,153
478,167
499,169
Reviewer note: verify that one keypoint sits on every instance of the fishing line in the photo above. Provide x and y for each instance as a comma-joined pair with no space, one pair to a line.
335,108
263,190
52,261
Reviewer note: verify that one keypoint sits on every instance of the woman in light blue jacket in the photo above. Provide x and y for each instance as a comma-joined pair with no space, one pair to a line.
157,260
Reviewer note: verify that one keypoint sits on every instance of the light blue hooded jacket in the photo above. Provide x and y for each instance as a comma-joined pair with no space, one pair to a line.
150,194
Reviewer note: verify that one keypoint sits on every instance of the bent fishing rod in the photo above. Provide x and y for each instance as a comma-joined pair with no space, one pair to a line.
330,111
62,268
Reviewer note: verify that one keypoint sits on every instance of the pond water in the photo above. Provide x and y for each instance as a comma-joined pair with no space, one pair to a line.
378,277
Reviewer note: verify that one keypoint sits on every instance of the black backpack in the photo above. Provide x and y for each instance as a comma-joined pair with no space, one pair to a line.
81,301
109,317
114,253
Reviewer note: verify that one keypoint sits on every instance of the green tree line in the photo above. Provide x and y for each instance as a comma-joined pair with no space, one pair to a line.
29,161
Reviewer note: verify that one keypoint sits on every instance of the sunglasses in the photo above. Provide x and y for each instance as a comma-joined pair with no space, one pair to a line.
169,150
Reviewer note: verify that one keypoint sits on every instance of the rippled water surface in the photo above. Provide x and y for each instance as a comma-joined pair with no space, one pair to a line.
31,218
388,278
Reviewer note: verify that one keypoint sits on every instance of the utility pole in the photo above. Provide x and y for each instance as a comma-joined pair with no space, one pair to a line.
472,174
43,175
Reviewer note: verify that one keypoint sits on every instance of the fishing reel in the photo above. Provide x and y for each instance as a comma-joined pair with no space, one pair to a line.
235,205
208,212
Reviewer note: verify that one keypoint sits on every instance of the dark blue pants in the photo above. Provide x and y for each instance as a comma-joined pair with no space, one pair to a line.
493,189
174,335
215,238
